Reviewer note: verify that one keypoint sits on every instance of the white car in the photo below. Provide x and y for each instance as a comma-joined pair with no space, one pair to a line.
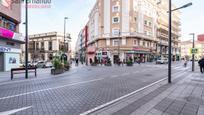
162,61
48,65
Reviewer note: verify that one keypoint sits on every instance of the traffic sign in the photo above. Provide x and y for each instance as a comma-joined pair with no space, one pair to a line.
194,50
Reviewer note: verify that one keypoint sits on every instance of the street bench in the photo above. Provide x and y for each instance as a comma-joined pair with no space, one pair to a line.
22,70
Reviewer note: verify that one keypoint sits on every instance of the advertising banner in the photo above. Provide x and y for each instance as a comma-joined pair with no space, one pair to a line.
6,33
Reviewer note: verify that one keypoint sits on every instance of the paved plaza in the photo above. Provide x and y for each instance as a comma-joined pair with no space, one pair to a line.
93,90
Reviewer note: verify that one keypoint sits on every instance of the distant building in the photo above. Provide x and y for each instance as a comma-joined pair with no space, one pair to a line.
201,37
186,47
137,29
43,46
10,38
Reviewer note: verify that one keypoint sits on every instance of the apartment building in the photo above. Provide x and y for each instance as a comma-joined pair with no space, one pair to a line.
10,38
43,46
186,47
120,29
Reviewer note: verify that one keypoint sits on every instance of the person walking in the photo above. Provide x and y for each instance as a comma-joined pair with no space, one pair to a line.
201,64
185,63
77,61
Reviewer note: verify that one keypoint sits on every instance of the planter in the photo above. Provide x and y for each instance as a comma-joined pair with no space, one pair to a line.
66,67
129,64
57,71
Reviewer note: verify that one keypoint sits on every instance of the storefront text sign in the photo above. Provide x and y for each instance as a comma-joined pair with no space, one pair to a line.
7,49
4,49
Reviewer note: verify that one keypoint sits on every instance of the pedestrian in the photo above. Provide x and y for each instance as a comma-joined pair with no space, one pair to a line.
185,63
77,61
201,64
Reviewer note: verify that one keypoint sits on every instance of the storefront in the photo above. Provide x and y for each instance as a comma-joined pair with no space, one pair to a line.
140,54
90,54
9,49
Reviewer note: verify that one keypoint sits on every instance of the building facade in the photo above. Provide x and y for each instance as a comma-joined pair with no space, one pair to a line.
120,29
10,38
42,47
186,47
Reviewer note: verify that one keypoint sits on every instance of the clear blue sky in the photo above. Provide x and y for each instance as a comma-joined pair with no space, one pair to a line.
52,19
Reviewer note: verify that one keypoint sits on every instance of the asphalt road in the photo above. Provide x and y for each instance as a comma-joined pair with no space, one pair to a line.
79,90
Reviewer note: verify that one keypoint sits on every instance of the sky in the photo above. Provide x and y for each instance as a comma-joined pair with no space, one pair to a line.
52,19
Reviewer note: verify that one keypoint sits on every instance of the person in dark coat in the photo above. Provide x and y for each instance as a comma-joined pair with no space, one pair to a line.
201,64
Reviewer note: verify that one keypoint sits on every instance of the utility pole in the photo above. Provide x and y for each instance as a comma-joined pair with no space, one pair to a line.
26,39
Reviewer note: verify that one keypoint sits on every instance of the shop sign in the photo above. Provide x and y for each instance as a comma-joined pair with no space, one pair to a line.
140,49
6,49
10,35
6,33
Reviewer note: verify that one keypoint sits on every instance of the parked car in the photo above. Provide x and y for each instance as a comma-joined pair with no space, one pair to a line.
48,65
162,61
23,64
41,64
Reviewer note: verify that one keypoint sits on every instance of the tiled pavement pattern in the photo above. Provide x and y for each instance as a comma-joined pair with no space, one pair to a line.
111,83
185,96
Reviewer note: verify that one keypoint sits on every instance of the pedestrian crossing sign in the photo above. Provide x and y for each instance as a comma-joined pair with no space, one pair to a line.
194,50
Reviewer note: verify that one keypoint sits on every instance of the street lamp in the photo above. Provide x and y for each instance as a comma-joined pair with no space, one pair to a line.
65,18
119,47
193,55
169,51
26,39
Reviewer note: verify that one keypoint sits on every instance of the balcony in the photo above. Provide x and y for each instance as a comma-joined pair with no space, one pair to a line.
142,35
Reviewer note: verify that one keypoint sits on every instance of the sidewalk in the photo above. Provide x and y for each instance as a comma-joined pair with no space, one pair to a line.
41,73
185,96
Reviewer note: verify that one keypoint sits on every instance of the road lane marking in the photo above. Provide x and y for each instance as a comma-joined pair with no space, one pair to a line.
37,91
125,96
14,111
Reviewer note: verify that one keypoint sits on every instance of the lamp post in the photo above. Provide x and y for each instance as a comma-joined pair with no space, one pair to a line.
193,55
26,39
169,33
119,47
65,18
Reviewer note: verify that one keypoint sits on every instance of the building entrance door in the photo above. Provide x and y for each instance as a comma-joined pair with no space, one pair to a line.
115,58
1,61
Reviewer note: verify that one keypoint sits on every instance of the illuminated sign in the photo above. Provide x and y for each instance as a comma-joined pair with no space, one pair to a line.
6,33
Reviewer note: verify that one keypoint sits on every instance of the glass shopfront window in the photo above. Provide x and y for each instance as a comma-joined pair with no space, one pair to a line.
5,23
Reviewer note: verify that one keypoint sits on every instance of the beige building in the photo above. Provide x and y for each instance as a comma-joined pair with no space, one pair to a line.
42,47
131,28
186,47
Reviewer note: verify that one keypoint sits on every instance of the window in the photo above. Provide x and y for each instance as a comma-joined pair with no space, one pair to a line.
135,19
37,46
42,56
115,8
115,32
150,23
135,42
115,42
42,45
144,43
115,20
145,22
50,45
148,44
